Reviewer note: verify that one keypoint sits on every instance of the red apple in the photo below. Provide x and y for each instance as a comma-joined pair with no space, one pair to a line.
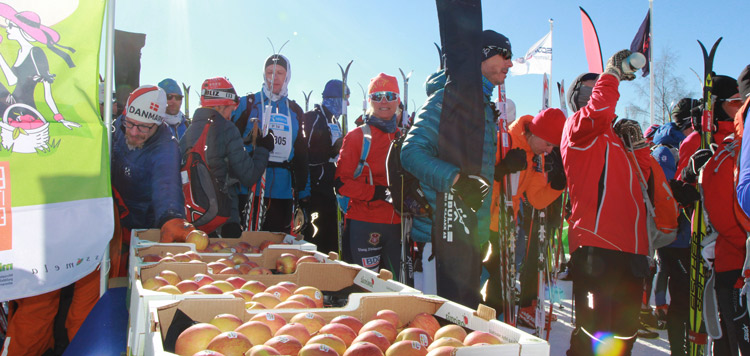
181,257
363,348
374,338
390,315
445,341
406,348
426,322
254,305
291,286
229,270
443,351
344,332
242,293
312,322
170,276
286,263
169,289
297,330
154,283
230,343
476,337
254,286
223,285
273,320
329,340
195,338
194,256
210,289
256,332
279,291
259,271
267,299
203,279
451,330
199,238
265,245
236,281
208,353
238,258
213,247
317,350
244,268
291,304
226,322
187,285
261,350
415,334
215,267
307,301
150,258
306,259
382,326
349,321
285,344
313,293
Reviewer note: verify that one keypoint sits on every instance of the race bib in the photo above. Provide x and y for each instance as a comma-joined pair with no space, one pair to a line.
335,132
282,129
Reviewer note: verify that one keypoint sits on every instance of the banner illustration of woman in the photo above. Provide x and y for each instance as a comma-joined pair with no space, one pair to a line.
24,129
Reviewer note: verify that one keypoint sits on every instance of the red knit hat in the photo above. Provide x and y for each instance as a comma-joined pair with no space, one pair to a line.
548,125
383,82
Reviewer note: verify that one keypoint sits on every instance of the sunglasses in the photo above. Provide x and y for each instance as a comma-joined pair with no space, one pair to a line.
388,95
734,99
503,52
141,128
174,97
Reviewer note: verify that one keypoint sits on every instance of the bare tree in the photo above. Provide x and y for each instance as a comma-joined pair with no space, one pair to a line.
668,89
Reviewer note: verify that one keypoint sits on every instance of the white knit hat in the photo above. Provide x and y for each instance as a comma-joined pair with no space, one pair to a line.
148,104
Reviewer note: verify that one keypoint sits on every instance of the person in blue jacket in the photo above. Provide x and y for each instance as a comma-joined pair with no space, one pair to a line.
419,155
743,183
173,117
287,182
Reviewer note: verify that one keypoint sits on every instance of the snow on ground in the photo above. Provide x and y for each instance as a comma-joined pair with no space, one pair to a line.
561,328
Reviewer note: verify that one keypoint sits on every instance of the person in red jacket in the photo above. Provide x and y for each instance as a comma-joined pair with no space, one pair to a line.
607,225
372,233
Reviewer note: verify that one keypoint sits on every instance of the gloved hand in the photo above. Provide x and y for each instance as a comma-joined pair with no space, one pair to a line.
336,147
619,66
514,161
553,165
472,189
695,164
684,193
381,193
175,230
302,215
630,133
709,254
266,141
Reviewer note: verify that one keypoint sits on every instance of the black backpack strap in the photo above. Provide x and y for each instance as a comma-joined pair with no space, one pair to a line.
241,123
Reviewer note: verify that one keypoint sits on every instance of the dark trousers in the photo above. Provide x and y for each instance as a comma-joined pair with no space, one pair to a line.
323,209
373,245
676,264
278,215
735,324
607,287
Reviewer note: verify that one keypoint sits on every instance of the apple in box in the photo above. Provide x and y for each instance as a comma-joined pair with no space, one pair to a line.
363,349
295,329
199,238
374,338
342,331
285,344
415,334
226,322
230,343
382,326
273,320
256,332
261,350
317,350
479,337
426,322
451,330
312,322
195,338
286,263
329,340
349,321
406,348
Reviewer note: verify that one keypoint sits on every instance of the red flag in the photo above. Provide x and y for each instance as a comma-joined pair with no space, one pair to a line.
642,41
591,44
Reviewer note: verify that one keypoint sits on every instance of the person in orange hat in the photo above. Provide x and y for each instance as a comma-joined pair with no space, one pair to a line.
372,233
536,162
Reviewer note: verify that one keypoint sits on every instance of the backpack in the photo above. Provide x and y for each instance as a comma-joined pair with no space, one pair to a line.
661,206
364,152
408,196
207,206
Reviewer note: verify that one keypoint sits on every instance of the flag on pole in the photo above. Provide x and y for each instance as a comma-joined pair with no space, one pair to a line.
56,214
538,59
591,43
642,42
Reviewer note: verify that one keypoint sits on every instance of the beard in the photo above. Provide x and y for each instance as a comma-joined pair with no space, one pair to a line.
132,146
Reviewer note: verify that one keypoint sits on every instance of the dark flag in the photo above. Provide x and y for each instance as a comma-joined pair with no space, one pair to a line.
461,136
591,43
642,42
128,47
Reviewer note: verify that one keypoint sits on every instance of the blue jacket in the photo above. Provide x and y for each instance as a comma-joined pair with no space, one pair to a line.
667,140
743,181
148,178
419,156
279,179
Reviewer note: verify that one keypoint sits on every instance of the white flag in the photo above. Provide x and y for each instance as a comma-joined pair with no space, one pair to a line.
538,59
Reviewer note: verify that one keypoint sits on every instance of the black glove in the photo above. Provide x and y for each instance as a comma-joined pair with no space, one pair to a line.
553,165
514,161
696,163
684,193
630,133
302,215
266,141
619,66
472,190
336,147
381,193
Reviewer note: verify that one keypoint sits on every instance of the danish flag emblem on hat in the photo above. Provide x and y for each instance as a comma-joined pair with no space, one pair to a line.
154,106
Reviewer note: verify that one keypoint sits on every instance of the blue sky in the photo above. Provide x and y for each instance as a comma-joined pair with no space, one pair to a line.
191,40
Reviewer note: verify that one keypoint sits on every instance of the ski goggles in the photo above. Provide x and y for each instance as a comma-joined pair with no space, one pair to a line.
503,52
380,95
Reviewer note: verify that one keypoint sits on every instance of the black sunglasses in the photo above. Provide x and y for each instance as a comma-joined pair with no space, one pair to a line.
503,52
174,97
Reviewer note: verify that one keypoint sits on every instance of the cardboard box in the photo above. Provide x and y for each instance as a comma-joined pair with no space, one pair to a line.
328,277
255,238
364,307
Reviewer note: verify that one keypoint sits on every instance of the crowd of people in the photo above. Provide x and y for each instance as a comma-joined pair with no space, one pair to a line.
332,188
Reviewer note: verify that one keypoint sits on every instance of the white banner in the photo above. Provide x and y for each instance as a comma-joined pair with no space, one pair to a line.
538,59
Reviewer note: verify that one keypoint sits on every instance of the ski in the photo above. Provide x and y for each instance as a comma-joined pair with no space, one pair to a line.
364,100
405,112
307,100
440,55
539,312
186,90
507,226
697,337
344,75
561,91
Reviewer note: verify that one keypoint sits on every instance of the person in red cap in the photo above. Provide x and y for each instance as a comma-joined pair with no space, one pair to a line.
226,153
372,233
541,180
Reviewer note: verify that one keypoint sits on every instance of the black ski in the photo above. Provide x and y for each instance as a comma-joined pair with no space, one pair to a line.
344,74
307,100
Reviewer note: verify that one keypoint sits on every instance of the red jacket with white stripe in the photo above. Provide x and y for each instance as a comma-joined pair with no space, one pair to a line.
608,210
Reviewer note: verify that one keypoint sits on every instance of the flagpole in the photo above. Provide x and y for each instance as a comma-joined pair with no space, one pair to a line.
109,59
651,55
551,21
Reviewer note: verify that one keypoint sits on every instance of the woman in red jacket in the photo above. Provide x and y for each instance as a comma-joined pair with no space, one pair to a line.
372,236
